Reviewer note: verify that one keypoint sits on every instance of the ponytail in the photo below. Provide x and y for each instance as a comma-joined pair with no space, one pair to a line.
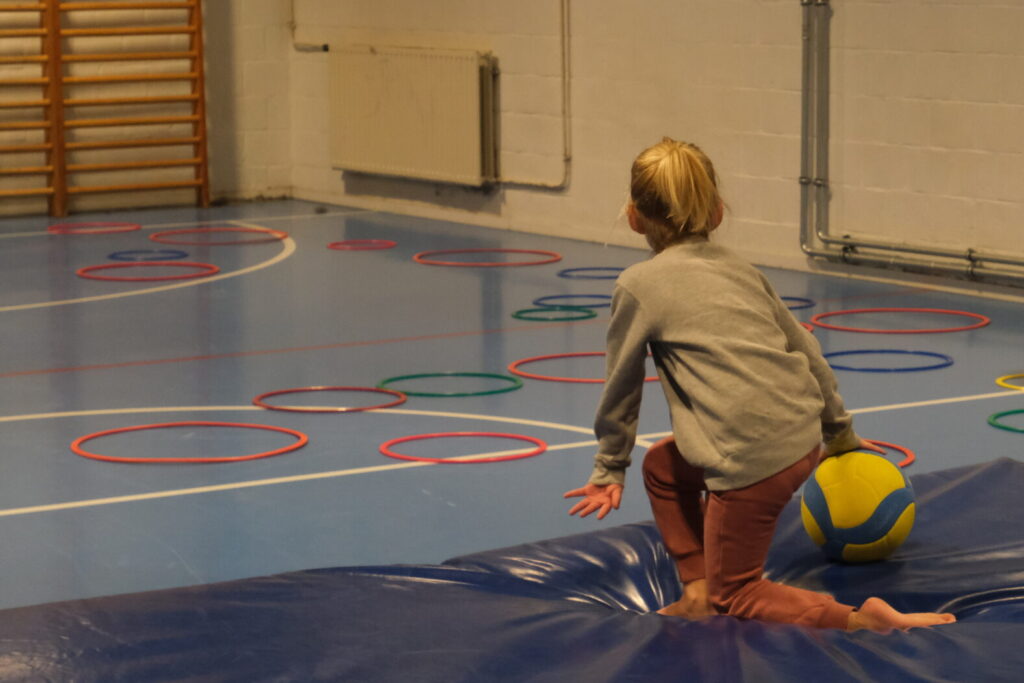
673,186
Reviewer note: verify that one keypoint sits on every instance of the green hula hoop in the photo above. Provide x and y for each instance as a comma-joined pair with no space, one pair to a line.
994,421
516,383
573,313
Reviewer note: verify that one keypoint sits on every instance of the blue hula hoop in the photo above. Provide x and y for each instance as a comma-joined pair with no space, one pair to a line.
801,302
156,255
578,273
944,360
542,301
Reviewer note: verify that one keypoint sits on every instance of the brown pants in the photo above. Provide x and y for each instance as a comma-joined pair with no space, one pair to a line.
726,537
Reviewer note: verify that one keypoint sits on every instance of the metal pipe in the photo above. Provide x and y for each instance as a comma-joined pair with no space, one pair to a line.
822,45
806,36
814,161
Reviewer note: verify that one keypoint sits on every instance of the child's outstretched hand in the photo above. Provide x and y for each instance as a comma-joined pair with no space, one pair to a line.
603,498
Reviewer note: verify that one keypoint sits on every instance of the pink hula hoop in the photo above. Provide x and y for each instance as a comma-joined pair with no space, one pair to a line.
423,257
209,269
908,454
76,445
362,245
274,236
104,228
259,400
514,368
982,320
385,448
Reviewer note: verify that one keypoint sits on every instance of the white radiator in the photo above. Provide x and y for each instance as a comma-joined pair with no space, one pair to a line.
414,113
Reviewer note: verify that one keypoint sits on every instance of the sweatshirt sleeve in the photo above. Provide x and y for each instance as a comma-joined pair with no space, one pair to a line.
619,409
836,422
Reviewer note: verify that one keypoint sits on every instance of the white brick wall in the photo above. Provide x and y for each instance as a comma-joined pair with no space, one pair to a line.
927,101
928,109
722,73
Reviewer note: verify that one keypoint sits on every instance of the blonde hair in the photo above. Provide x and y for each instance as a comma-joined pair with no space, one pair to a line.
674,188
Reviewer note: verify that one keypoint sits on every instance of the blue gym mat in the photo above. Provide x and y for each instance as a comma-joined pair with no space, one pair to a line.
569,609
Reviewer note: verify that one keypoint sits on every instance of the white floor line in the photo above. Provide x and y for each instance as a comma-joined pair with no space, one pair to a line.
260,482
900,406
643,441
189,224
288,248
276,480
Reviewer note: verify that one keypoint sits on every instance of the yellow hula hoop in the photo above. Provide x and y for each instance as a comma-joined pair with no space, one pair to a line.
1003,383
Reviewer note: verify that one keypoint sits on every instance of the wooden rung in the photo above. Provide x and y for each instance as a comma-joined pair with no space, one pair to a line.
27,192
21,32
19,149
23,7
157,99
27,170
170,185
128,78
24,81
128,56
24,59
23,104
72,6
24,125
119,144
131,165
125,31
128,121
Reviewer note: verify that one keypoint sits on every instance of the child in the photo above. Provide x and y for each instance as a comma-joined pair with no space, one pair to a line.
750,398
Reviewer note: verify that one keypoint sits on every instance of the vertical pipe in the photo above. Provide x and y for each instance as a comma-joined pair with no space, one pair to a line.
823,15
806,149
54,73
202,173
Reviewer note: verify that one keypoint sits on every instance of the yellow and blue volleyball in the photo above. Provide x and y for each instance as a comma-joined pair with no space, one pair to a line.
858,507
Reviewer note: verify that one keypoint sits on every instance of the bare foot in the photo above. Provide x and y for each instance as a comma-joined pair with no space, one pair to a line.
693,605
878,615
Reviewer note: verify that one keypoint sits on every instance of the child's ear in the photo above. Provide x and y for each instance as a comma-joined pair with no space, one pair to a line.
716,218
636,223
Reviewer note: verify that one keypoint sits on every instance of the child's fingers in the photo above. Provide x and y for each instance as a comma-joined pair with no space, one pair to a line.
605,509
590,507
616,497
584,507
574,493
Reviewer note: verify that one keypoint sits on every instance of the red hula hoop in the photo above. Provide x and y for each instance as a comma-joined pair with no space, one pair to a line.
106,228
362,245
807,326
514,368
423,257
399,400
982,320
210,269
76,445
909,454
274,236
385,448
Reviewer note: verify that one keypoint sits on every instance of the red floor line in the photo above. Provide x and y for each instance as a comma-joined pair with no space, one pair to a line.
297,349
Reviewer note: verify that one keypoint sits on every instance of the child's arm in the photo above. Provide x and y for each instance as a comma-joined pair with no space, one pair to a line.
836,422
619,409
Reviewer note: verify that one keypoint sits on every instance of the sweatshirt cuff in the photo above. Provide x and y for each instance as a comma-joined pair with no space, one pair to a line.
603,476
846,440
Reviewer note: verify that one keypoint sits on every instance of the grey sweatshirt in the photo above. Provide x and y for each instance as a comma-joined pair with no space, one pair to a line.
748,390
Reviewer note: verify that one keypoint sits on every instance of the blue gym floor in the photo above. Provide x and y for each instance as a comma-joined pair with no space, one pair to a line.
83,356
